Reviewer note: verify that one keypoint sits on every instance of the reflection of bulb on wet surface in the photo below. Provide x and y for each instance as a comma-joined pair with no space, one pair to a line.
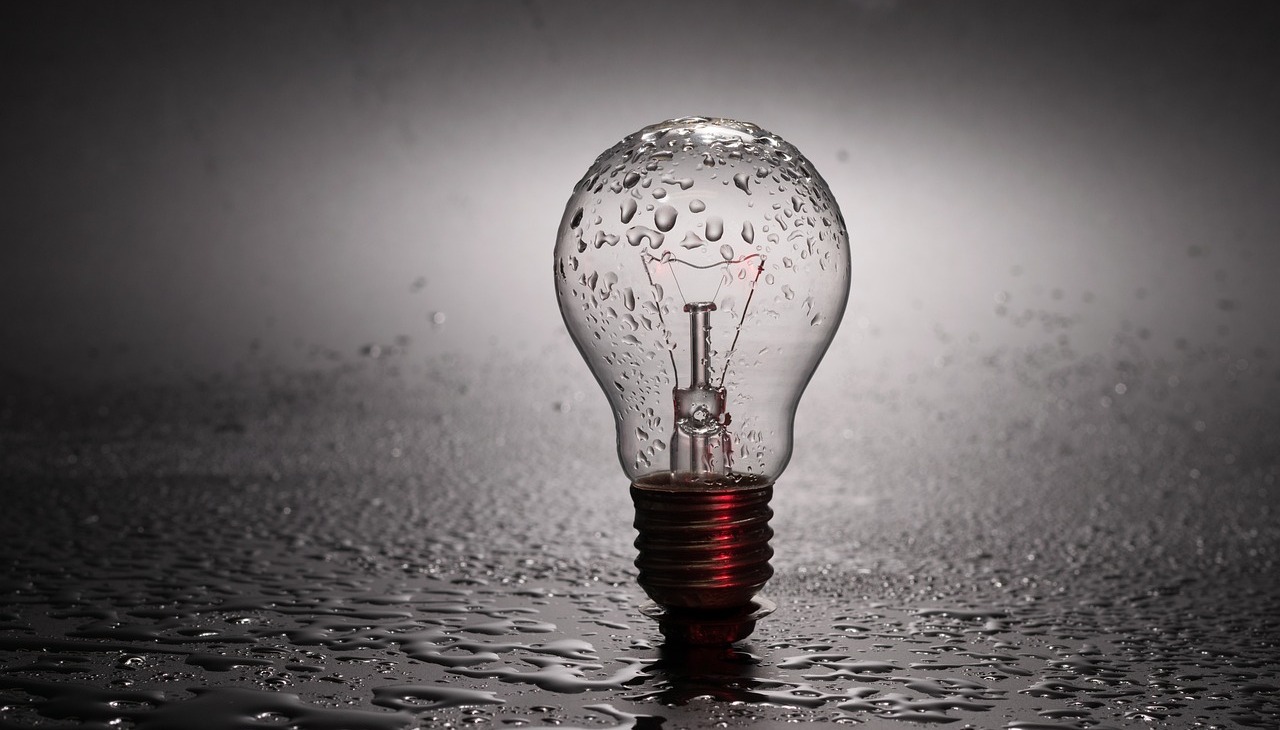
702,267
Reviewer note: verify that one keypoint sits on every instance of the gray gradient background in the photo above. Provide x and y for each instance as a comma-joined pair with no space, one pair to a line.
196,187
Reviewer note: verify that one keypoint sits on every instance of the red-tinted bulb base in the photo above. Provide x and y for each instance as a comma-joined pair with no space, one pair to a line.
704,554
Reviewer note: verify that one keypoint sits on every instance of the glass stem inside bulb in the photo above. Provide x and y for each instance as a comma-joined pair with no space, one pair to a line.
700,343
700,444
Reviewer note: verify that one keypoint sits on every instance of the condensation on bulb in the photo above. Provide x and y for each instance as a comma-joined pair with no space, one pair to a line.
703,341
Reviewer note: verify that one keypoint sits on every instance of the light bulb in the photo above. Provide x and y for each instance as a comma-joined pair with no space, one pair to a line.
702,267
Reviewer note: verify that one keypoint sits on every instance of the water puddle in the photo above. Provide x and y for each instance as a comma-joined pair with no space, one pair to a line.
302,572
310,642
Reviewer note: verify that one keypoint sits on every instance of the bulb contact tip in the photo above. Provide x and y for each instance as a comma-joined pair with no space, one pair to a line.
708,628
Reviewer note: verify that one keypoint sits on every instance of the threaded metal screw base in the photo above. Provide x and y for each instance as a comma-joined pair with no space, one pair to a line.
703,553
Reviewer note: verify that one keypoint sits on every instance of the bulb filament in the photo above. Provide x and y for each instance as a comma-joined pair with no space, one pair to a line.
701,447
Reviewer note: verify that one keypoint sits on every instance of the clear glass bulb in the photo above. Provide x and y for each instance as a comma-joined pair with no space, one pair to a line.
702,267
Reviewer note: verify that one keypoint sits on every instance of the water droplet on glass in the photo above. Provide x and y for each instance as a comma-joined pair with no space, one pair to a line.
684,182
715,228
665,218
727,252
630,180
742,180
692,240
697,206
628,209
639,234
748,232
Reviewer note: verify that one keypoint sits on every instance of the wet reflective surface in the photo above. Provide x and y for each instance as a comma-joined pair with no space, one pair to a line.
379,546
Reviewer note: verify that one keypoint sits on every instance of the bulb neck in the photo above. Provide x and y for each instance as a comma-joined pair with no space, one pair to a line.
704,554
